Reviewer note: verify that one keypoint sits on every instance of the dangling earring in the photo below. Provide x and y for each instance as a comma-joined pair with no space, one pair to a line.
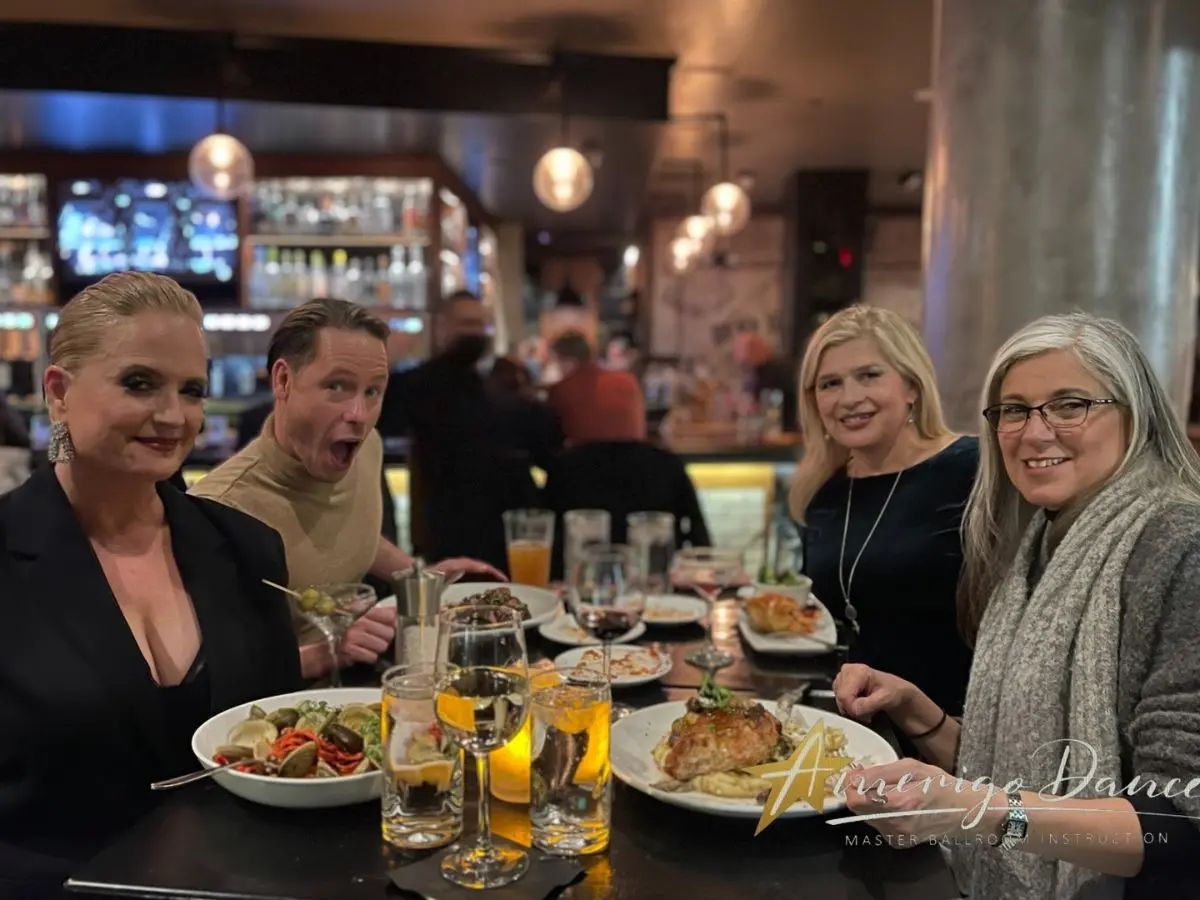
62,448
910,413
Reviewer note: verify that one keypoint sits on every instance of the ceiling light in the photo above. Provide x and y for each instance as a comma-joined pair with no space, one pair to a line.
683,252
562,179
700,230
728,206
632,255
221,166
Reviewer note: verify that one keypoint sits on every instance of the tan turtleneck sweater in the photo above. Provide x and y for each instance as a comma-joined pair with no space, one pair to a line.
330,531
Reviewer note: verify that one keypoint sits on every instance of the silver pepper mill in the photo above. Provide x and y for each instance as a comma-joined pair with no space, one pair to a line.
418,599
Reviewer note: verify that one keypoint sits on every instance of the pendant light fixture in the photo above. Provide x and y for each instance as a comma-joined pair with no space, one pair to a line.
726,203
563,178
220,165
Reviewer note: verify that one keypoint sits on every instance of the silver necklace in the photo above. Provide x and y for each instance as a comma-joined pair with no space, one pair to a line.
847,583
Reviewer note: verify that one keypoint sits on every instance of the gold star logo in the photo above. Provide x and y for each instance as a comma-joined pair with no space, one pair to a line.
801,776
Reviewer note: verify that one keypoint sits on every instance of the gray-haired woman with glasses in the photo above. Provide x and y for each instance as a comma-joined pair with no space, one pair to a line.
1082,594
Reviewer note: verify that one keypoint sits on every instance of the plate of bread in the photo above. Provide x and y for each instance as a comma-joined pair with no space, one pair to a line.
787,621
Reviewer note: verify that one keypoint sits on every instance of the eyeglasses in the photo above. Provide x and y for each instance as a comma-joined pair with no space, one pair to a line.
1060,413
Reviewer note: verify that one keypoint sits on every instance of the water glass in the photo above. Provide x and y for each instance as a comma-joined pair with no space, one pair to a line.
529,536
570,771
422,767
651,540
583,528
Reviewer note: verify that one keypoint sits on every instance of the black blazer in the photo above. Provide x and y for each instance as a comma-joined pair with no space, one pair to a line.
95,729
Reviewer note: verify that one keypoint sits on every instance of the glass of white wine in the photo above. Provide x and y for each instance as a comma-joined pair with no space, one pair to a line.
482,701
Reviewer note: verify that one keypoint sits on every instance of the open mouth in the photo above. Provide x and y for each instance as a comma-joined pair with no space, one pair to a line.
343,452
166,446
1045,463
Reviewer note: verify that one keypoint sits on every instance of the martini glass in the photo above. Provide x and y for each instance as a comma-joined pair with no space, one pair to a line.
708,571
332,609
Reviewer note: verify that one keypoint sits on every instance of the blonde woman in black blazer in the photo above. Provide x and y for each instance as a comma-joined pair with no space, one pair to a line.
131,612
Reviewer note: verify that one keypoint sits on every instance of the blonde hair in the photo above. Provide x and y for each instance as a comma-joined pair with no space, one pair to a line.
996,514
85,321
902,347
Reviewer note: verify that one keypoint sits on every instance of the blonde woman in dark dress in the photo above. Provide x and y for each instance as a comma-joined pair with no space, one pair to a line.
880,494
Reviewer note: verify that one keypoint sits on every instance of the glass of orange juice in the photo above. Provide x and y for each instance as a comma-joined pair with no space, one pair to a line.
529,534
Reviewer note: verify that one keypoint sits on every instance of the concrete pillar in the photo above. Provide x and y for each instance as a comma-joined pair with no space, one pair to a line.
1063,173
510,316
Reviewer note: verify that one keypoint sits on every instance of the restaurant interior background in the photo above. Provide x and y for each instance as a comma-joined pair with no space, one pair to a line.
394,144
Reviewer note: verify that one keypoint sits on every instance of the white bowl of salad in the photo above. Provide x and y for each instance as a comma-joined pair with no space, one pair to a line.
306,750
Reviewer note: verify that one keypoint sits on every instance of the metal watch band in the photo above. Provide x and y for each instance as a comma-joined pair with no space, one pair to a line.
1016,824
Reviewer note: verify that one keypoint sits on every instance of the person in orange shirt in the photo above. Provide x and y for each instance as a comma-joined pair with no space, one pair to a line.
593,403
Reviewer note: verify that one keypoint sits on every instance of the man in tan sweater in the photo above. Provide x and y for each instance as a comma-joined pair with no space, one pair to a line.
313,474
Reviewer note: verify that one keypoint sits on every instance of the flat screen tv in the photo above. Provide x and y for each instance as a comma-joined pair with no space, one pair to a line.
151,226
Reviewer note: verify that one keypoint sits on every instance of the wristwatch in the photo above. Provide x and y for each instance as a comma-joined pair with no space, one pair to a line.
1015,826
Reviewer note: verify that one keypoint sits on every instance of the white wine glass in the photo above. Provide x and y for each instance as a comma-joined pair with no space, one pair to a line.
482,672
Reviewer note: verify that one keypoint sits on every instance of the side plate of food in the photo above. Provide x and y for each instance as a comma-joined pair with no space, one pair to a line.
689,755
673,609
307,750
536,605
632,664
776,623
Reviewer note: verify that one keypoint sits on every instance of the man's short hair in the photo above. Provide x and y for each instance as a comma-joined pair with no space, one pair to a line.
296,338
572,346
448,302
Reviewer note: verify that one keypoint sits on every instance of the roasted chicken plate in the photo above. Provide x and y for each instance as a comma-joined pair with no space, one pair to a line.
707,740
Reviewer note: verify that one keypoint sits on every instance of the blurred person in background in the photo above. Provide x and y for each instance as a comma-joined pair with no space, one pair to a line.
510,377
609,464
313,473
132,612
472,447
763,370
594,403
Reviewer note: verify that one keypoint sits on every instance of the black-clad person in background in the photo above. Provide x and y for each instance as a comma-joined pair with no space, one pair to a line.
880,495
472,445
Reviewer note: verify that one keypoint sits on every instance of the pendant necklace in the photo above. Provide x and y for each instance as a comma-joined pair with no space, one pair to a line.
847,582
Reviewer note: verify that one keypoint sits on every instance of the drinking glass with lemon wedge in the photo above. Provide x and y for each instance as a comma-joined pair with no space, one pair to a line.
422,767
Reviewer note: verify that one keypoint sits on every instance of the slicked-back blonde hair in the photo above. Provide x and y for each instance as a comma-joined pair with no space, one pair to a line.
90,315
902,347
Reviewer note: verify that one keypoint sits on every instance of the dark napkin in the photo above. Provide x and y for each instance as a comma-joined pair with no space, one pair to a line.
547,875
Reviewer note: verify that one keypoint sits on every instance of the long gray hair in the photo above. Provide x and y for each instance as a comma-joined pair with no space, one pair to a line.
996,514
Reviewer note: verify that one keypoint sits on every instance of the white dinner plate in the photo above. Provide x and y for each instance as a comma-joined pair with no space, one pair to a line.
543,604
818,643
635,736
289,793
632,664
673,609
565,630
